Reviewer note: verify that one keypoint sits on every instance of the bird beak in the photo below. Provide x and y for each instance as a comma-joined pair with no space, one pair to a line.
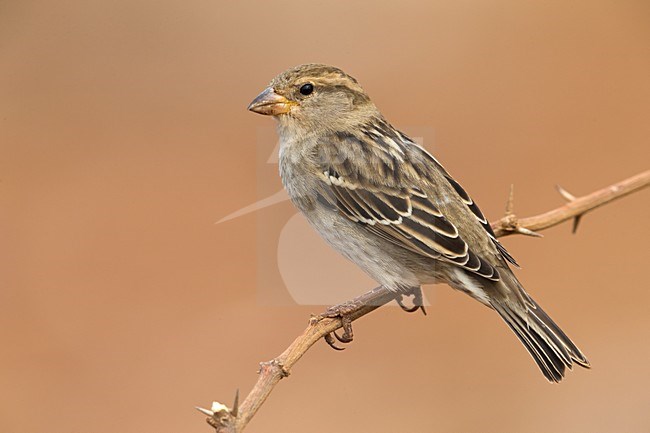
270,103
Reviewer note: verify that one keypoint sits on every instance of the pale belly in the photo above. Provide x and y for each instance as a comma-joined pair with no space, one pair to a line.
391,266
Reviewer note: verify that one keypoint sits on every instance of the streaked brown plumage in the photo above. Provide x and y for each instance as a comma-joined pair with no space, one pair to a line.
385,203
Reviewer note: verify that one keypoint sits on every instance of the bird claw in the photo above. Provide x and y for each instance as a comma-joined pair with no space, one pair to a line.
342,312
412,309
332,337
331,341
418,301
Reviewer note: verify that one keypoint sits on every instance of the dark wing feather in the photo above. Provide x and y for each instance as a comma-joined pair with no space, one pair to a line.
408,219
481,218
388,195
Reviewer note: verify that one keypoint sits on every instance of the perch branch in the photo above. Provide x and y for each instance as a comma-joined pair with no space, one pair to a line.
235,419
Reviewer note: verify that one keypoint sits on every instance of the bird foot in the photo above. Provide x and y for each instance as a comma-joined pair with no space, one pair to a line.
418,300
343,312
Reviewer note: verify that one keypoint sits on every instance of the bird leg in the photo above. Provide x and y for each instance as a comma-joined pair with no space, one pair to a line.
418,300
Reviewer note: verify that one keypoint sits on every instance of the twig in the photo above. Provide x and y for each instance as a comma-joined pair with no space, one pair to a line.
235,419
574,209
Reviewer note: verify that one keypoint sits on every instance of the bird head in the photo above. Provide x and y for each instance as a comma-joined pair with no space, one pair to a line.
313,95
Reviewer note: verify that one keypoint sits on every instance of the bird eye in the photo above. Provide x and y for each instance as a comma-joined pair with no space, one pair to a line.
306,89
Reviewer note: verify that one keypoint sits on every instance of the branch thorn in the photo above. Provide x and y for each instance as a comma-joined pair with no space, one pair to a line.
576,221
528,232
206,412
566,194
235,404
510,204
570,198
220,416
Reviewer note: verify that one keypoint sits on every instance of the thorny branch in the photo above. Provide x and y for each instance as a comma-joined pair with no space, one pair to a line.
574,209
235,419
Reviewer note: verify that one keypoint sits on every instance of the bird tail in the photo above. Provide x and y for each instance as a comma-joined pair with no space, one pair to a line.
549,346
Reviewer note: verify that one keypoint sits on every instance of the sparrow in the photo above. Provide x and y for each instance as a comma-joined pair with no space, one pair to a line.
385,203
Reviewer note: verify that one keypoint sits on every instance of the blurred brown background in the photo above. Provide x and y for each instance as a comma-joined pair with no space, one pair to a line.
124,136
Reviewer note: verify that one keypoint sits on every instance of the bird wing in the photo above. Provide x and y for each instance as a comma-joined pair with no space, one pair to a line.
479,216
391,186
